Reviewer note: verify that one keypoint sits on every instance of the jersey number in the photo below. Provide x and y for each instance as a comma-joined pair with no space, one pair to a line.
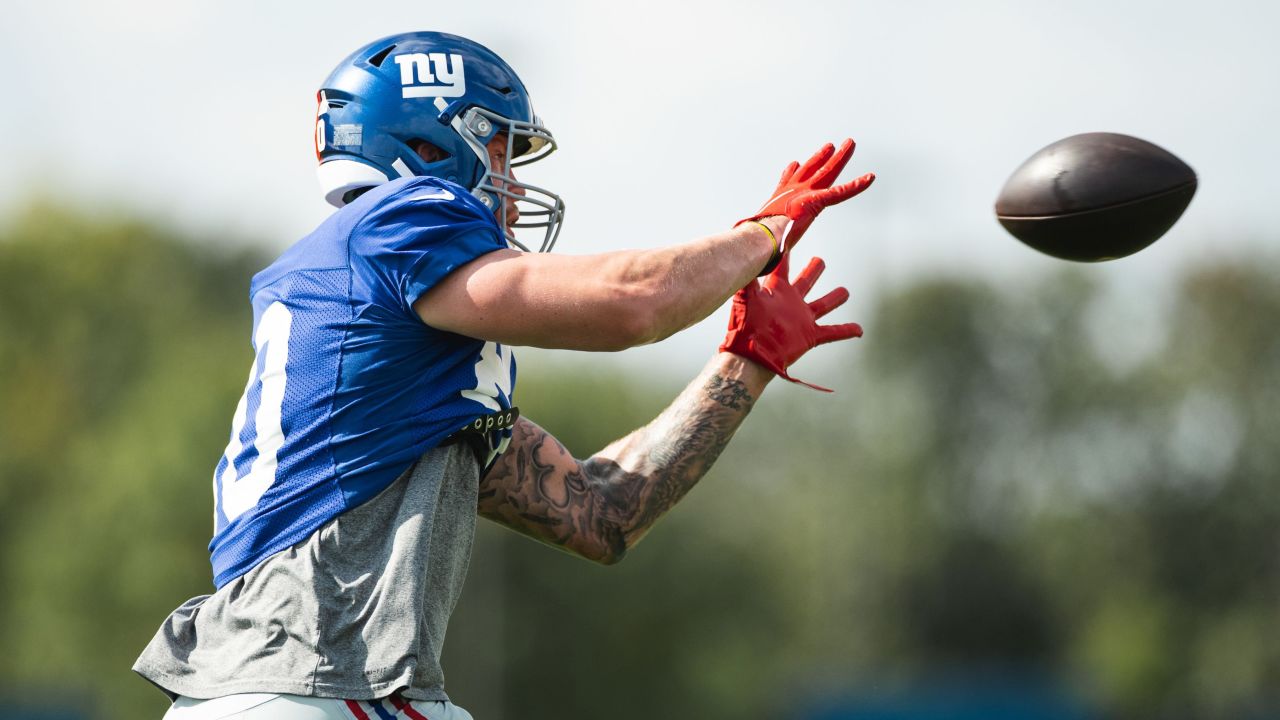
265,388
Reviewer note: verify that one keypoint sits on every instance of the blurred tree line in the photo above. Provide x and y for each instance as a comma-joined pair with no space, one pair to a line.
998,493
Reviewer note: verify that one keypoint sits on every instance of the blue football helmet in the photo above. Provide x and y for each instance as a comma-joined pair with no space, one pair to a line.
384,100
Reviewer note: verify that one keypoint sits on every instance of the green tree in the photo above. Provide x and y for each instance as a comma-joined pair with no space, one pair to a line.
120,350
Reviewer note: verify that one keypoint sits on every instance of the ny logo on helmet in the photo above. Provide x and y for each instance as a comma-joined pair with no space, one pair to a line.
431,75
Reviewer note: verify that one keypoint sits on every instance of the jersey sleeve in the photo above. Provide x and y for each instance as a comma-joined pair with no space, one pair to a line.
410,242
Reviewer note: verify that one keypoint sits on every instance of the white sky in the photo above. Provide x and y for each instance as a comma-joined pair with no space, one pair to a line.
674,118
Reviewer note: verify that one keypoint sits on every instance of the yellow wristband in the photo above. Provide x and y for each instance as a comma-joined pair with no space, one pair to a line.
777,249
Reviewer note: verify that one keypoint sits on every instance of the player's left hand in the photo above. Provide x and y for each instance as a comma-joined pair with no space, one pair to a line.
805,190
772,324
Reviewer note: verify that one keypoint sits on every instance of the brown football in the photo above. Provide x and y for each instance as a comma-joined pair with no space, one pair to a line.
1096,196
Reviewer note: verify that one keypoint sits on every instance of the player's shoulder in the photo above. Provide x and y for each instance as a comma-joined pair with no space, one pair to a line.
419,212
420,196
405,213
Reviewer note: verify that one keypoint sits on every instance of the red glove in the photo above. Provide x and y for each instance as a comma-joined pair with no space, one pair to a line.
771,323
805,190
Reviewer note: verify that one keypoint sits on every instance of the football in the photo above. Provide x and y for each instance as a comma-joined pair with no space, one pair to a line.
1096,196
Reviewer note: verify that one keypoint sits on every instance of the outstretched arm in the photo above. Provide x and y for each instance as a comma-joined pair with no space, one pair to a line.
600,507
607,301
616,300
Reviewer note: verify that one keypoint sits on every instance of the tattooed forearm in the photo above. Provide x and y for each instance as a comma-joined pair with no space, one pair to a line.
729,393
538,489
600,507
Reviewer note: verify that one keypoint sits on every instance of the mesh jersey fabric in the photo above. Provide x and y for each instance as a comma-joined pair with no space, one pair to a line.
348,386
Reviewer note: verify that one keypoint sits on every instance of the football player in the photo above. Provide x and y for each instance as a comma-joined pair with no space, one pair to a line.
377,420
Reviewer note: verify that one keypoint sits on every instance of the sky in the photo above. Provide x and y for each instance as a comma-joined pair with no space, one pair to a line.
674,119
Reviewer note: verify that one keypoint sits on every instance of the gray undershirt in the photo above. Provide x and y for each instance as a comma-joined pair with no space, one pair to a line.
356,611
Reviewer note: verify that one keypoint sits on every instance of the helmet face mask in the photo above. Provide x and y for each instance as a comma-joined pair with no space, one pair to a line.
455,94
527,142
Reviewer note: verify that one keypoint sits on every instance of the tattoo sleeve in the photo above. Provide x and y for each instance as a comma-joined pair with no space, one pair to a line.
600,507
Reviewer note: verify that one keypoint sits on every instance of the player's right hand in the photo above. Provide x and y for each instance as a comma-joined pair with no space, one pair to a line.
805,190
771,324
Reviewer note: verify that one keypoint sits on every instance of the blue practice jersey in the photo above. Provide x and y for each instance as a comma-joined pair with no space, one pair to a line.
349,387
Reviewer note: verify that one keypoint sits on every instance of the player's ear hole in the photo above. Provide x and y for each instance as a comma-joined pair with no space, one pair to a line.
429,152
